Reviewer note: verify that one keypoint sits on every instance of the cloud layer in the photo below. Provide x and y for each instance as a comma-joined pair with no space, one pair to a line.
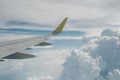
82,14
99,60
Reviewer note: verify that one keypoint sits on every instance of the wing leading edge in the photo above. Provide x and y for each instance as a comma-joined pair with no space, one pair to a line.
14,46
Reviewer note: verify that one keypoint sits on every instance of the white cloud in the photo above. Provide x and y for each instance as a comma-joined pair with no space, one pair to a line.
114,75
107,47
100,59
16,68
80,66
93,13
40,78
110,32
101,54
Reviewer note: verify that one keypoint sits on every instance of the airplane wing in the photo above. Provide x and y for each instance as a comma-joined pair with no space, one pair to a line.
10,49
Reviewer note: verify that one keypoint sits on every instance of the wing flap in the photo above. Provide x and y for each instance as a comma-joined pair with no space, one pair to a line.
19,55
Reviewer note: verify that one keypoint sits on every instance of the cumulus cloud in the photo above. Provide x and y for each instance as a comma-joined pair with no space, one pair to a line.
109,32
80,66
114,75
101,53
107,46
99,59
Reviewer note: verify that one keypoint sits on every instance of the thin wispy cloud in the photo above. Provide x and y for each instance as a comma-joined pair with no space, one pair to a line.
93,13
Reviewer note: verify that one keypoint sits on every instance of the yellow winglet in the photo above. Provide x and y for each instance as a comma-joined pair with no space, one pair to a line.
60,27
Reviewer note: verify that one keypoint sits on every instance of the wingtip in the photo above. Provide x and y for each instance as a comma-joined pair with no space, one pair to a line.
60,27
66,18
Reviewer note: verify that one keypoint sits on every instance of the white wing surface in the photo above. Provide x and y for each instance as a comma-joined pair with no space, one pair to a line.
10,49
